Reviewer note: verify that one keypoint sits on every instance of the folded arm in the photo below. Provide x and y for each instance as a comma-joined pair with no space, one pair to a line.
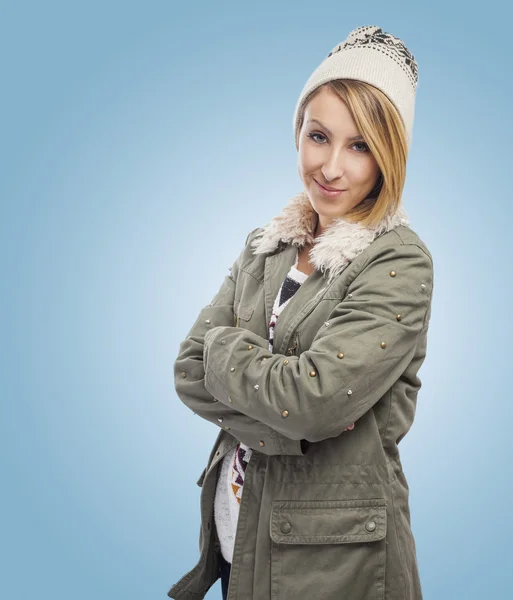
355,357
189,375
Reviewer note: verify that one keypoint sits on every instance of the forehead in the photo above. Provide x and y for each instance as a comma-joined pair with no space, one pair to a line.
331,112
327,105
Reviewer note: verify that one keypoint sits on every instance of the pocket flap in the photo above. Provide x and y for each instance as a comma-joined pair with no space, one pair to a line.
328,521
244,311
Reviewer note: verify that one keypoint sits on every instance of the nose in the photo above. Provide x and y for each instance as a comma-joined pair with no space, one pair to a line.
333,168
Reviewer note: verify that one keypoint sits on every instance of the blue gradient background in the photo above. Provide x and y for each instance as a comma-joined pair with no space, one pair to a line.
140,143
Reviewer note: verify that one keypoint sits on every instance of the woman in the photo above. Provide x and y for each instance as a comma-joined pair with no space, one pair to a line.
308,356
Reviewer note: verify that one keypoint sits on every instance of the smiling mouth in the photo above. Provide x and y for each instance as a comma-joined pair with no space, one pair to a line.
327,188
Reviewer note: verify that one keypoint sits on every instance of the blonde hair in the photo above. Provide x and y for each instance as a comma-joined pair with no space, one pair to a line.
383,130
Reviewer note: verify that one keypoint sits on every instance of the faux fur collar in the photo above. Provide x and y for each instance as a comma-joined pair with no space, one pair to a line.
339,244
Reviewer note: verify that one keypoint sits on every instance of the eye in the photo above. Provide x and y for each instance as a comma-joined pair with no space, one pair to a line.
363,144
314,134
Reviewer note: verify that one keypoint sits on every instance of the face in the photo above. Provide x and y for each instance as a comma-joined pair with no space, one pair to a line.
332,153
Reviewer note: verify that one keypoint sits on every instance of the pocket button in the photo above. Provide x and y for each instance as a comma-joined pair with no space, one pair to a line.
370,525
285,527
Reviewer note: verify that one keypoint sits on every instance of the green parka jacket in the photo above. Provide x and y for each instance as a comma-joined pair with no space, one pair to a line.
324,512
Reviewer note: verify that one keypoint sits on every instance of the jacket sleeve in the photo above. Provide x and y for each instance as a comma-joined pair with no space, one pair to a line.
355,357
189,377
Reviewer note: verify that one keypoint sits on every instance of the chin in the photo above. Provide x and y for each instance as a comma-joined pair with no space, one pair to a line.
327,208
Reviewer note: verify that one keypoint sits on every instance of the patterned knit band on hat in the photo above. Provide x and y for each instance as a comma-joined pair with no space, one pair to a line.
371,55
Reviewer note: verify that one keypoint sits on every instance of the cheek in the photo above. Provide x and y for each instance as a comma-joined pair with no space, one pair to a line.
305,159
366,172
301,161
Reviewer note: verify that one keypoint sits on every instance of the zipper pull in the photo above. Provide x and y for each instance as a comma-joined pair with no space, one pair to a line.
292,349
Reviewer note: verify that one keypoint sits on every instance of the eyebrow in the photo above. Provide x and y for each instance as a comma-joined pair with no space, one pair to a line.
349,139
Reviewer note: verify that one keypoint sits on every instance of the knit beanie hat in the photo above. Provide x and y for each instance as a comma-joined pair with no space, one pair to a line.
371,55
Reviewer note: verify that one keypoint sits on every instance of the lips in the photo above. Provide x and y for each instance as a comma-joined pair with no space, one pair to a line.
330,189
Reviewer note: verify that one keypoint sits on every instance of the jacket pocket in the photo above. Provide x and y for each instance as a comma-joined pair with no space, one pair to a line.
242,312
328,548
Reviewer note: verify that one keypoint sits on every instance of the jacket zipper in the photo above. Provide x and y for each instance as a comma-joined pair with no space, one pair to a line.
293,348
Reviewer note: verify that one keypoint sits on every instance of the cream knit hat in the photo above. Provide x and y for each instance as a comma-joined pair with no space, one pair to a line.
371,55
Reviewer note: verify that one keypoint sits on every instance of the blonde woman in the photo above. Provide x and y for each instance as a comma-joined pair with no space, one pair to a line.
307,358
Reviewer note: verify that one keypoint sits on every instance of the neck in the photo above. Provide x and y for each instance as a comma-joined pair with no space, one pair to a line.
319,227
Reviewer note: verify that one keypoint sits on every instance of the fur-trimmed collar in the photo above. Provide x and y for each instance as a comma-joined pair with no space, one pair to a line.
339,244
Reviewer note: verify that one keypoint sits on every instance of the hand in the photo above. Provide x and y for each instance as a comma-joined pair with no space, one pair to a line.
350,427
